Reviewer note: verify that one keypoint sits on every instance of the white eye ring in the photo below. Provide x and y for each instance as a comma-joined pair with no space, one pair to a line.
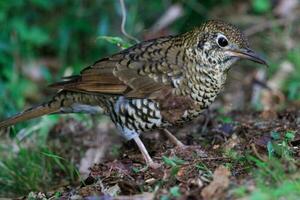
222,41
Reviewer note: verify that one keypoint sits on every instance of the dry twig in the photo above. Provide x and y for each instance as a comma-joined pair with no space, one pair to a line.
124,15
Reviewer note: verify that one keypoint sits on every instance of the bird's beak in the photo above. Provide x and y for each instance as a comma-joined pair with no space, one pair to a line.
248,54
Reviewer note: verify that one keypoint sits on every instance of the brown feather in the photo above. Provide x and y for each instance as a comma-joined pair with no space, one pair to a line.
136,72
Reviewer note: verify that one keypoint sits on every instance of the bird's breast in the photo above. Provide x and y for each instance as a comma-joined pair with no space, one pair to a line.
204,87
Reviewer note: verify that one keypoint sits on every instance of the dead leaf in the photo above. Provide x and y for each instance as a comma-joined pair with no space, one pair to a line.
232,142
263,140
219,184
113,190
268,114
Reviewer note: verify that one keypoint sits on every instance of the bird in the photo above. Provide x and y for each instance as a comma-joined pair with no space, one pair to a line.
155,84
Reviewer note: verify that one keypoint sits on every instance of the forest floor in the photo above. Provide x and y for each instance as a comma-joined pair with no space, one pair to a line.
243,155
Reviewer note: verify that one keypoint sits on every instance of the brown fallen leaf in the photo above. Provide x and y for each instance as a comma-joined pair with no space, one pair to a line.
219,184
232,142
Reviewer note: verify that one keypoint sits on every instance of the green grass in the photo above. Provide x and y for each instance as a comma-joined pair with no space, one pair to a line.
285,190
276,178
292,85
174,192
31,165
33,169
173,162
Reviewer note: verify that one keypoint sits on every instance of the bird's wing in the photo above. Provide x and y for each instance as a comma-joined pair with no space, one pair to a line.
136,72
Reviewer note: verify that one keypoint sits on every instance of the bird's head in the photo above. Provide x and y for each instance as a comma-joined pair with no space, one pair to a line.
220,44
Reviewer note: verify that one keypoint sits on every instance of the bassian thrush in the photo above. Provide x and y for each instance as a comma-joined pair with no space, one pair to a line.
154,84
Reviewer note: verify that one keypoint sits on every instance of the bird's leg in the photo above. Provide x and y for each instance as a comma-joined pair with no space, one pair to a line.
172,138
145,153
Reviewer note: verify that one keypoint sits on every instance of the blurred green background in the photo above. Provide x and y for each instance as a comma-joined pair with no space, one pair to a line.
41,40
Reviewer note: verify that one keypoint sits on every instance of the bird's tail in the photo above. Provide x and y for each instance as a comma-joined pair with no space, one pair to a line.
27,114
62,102
34,112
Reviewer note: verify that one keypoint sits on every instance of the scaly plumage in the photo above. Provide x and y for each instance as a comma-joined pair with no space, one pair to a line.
153,84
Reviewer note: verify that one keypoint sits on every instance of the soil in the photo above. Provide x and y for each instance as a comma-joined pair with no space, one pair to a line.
213,141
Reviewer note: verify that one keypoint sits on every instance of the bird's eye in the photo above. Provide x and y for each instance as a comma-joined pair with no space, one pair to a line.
222,41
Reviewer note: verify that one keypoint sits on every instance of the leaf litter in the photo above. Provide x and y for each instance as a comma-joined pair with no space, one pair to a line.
211,167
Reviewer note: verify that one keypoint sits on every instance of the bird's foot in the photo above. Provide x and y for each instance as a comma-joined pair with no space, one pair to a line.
150,163
182,146
154,165
173,139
